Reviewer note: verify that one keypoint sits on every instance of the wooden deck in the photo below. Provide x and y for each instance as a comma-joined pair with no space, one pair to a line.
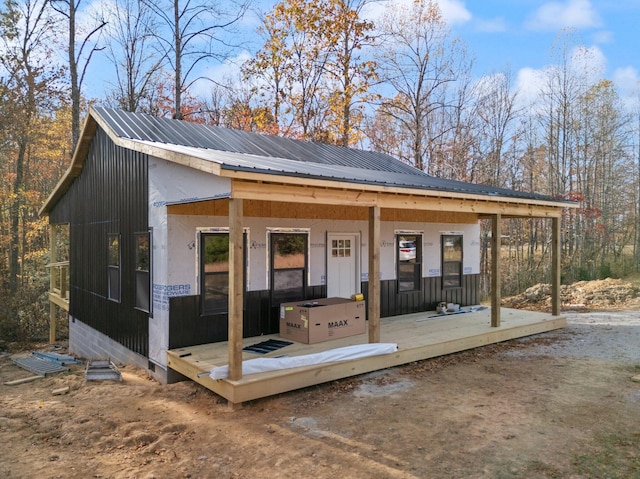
418,336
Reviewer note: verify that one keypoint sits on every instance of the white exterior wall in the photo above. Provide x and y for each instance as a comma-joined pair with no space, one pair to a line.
183,244
170,183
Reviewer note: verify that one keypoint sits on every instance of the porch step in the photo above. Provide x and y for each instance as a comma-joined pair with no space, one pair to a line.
102,370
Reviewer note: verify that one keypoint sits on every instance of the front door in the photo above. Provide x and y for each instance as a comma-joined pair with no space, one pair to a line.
343,265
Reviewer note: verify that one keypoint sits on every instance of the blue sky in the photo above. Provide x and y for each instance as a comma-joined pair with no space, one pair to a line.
515,35
518,35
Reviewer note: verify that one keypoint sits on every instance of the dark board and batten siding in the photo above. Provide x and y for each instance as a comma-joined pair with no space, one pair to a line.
187,327
393,303
109,197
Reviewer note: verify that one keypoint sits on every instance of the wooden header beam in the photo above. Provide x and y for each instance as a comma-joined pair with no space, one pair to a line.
415,200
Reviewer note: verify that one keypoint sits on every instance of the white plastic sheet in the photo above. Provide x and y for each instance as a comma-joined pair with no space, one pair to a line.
261,365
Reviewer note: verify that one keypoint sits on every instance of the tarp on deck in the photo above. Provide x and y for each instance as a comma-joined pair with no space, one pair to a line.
261,365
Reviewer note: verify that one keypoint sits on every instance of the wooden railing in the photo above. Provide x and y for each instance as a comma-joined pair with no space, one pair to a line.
59,285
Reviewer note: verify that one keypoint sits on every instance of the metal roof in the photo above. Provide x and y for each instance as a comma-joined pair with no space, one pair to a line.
244,151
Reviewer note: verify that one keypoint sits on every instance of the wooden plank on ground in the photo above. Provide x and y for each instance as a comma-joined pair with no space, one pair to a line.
29,379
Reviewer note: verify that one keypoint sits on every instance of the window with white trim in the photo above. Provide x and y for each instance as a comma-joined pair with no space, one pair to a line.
409,262
451,261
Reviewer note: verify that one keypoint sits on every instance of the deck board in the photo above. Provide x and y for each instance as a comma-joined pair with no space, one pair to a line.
418,336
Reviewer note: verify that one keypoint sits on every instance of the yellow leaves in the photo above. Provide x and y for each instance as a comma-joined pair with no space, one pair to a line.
312,70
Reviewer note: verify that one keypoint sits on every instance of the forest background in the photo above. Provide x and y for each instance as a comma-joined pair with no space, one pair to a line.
324,72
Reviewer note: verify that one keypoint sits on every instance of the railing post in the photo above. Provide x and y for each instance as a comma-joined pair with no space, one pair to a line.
53,247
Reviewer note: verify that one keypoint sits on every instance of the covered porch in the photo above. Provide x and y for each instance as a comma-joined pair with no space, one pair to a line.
418,336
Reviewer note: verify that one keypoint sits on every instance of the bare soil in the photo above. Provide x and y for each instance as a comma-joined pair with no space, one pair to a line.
563,404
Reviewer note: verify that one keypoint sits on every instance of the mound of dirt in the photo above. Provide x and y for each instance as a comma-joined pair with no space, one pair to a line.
583,295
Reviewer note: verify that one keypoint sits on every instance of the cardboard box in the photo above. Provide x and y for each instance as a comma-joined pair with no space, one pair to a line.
323,319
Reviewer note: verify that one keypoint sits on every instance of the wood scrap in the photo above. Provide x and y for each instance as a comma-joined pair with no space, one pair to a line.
59,391
15,382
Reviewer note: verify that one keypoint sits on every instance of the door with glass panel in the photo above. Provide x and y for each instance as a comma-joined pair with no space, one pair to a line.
343,273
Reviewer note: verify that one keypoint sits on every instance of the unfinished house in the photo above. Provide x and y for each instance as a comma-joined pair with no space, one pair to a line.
192,248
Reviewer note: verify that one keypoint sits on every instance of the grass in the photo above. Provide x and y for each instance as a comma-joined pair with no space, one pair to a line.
613,456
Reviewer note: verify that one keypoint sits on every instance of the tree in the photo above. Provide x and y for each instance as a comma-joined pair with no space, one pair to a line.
196,34
79,55
496,111
34,149
351,74
419,60
30,85
309,70
131,31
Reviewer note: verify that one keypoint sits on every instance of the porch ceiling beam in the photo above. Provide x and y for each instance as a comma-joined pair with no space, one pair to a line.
408,199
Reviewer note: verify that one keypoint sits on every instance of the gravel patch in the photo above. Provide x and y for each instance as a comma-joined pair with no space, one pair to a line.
605,335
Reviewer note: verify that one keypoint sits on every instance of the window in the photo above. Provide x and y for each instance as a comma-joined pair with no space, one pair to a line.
113,267
289,267
214,272
451,261
143,269
409,262
341,248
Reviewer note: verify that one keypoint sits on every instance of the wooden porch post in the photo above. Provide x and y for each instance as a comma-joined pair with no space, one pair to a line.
373,293
236,282
496,243
555,266
53,258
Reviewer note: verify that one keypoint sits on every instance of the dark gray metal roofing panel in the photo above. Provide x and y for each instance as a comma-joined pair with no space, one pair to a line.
246,151
137,126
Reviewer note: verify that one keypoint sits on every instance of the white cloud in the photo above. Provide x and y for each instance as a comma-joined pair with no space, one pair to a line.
557,15
604,36
453,11
529,84
627,81
589,61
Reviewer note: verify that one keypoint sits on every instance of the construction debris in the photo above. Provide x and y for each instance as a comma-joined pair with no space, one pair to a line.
59,391
37,365
61,359
102,370
16,382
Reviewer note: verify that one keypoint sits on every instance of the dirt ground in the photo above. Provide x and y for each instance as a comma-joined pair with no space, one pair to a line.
563,404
